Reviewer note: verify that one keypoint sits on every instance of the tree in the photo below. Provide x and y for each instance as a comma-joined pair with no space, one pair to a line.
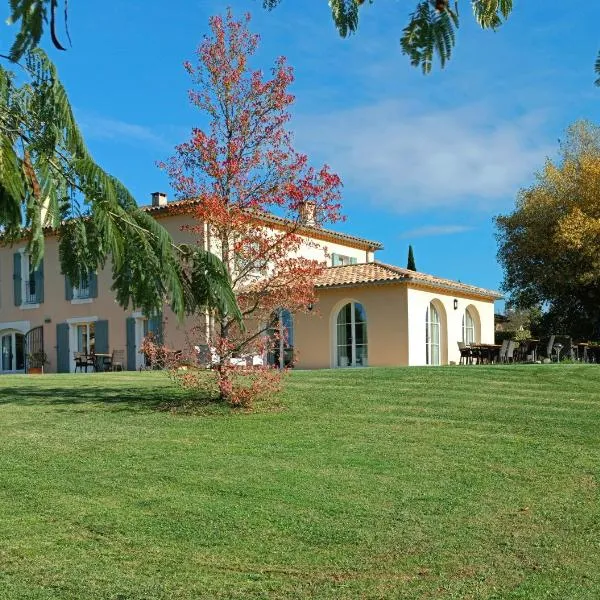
48,179
242,167
410,263
549,246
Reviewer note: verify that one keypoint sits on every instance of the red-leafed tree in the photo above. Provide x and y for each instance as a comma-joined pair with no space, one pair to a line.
256,193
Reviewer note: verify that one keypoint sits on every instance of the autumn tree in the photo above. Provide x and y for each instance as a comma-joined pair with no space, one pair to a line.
255,193
549,246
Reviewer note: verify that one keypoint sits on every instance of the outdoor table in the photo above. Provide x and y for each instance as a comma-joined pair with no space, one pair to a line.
582,351
100,362
486,352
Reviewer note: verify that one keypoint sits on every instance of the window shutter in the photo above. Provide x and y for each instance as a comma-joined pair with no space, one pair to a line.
335,260
353,260
39,282
17,278
93,279
68,288
130,343
63,363
101,332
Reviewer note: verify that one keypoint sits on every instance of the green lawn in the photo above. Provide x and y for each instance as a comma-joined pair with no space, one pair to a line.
461,482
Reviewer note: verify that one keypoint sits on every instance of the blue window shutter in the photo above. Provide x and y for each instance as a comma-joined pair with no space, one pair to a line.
93,279
131,349
17,278
62,348
68,288
101,332
335,260
353,260
39,282
155,326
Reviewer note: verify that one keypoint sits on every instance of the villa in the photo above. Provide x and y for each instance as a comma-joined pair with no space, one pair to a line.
368,313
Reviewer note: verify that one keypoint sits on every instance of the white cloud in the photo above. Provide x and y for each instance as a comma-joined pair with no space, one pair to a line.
103,128
411,157
434,230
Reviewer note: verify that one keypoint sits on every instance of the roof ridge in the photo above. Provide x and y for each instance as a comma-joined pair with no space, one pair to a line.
380,272
266,215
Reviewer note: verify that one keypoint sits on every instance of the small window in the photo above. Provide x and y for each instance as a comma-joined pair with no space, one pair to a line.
30,282
340,260
82,291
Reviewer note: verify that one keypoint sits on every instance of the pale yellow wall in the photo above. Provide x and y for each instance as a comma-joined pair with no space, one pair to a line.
387,326
451,320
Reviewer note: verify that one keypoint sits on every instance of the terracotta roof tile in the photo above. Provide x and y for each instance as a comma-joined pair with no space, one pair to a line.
376,272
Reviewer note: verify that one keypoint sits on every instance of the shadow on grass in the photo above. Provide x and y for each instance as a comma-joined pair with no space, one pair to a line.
120,395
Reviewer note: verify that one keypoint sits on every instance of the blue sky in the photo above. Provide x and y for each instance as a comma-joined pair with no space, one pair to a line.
424,160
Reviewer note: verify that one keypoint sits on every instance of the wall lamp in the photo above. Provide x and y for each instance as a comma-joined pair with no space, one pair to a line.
455,303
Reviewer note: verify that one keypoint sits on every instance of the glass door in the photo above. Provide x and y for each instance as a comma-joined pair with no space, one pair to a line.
434,335
351,336
7,352
12,346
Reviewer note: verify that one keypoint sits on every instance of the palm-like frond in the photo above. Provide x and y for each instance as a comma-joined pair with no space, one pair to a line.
207,283
54,181
491,13
430,31
597,69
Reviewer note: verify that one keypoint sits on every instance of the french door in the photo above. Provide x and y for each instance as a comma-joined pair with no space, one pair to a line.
12,346
351,336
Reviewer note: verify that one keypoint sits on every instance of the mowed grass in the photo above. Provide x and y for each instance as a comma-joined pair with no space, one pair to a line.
460,482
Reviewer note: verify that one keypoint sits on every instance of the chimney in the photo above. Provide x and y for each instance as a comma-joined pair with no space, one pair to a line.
159,199
308,213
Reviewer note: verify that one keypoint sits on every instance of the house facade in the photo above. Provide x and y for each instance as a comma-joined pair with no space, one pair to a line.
367,314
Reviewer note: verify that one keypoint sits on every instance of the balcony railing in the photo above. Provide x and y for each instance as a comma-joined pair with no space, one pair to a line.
31,296
81,292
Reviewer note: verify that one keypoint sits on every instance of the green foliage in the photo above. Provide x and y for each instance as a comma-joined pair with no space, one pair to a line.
33,16
431,30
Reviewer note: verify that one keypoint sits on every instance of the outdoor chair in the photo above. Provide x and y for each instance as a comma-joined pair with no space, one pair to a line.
83,361
118,360
466,354
510,351
80,361
502,351
550,346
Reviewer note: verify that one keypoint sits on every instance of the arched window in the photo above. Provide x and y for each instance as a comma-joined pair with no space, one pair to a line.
12,346
351,336
432,335
468,327
281,350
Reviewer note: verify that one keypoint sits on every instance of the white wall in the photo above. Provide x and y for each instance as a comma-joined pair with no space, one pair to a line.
419,300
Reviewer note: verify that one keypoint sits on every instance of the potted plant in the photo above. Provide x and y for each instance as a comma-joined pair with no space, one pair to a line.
36,361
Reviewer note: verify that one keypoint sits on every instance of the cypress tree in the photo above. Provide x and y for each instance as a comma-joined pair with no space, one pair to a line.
411,259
